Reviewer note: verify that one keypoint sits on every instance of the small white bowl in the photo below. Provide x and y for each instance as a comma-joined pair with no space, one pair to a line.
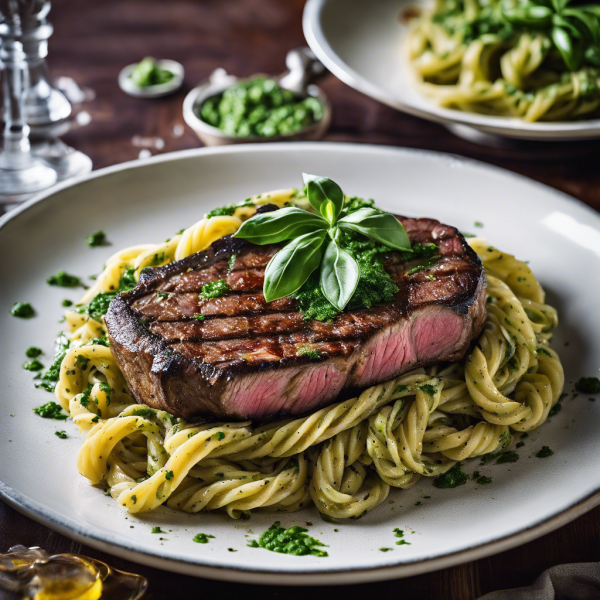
153,91
218,82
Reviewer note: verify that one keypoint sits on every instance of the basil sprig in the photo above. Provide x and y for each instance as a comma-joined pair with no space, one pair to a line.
575,31
313,242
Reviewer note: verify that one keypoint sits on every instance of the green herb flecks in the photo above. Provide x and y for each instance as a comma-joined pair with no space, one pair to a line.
157,530
315,243
227,210
555,409
544,452
214,289
33,365
199,317
33,352
63,279
67,303
452,478
588,385
310,352
147,413
148,73
23,310
50,410
260,107
50,377
293,540
400,534
61,434
98,238
202,538
507,457
98,306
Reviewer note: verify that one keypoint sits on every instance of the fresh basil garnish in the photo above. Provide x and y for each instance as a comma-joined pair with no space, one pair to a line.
314,242
575,32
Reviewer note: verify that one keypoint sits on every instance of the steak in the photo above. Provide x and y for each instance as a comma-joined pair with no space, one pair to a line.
244,358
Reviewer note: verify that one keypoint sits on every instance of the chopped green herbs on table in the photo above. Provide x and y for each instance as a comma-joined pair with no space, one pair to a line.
50,410
332,256
588,385
260,107
33,352
63,279
293,540
148,73
452,478
98,238
202,538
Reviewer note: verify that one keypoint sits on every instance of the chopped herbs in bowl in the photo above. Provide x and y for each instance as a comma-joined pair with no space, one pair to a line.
225,110
151,78
260,107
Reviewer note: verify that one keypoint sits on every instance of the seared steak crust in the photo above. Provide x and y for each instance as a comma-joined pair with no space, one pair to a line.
245,358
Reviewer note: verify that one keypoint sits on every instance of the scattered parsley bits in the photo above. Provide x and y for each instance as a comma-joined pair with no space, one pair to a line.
147,413
385,549
33,365
50,410
507,457
452,478
214,289
199,317
544,452
61,434
169,475
478,224
33,352
400,534
555,409
98,238
63,279
23,310
311,353
588,385
483,480
50,377
67,303
220,435
293,540
202,538
155,529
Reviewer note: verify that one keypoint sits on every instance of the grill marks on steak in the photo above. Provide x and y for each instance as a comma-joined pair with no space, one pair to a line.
247,359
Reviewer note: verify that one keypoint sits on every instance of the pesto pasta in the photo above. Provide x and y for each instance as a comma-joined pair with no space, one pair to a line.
535,60
343,458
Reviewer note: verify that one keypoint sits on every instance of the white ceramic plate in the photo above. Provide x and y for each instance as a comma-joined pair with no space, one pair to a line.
146,201
360,42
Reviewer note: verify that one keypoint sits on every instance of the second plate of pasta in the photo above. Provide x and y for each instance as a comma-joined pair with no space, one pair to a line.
462,64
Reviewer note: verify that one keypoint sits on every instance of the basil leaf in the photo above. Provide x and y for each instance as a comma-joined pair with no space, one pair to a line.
590,24
325,196
279,225
291,266
565,46
572,30
379,226
339,275
537,16
560,4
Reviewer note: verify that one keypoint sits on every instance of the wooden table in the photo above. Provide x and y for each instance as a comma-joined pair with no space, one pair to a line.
93,40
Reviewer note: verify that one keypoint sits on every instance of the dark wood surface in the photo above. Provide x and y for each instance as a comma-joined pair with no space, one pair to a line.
94,39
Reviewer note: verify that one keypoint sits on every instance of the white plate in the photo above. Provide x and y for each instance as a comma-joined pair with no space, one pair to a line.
360,42
146,201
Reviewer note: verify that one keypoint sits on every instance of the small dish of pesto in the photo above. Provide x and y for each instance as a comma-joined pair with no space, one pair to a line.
227,110
151,78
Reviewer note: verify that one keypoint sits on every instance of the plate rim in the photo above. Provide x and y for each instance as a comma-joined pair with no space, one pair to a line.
513,128
334,576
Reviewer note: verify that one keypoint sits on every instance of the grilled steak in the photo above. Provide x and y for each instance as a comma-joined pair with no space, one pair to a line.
245,358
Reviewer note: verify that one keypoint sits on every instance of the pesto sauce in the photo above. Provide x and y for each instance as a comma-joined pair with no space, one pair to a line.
545,452
452,478
507,457
63,279
202,538
293,540
588,385
98,238
50,410
260,107
23,310
50,377
33,365
214,289
311,353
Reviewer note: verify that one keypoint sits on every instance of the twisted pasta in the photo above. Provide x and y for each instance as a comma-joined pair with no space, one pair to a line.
466,57
343,458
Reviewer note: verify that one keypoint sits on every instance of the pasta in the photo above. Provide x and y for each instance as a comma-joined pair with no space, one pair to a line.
343,458
468,56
